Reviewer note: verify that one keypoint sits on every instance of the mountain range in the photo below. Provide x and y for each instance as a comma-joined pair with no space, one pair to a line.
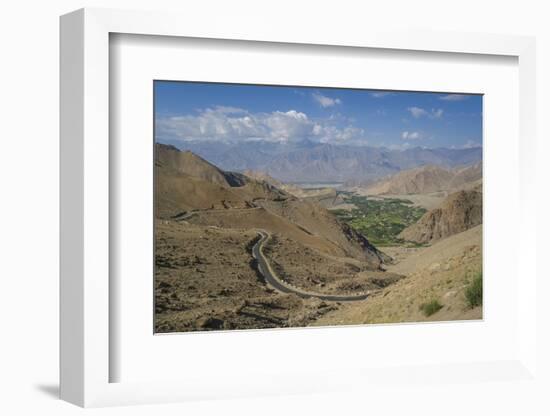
308,161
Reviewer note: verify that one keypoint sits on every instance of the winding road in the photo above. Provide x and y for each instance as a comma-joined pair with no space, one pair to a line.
273,280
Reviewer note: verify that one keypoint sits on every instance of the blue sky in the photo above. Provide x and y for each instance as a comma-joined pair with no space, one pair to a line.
187,111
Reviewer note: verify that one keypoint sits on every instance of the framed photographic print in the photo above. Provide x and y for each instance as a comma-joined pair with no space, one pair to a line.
315,206
319,213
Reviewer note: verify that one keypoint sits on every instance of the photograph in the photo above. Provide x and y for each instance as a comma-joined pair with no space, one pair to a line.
297,206
233,208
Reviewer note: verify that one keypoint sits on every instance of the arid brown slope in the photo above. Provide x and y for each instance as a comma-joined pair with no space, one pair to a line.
260,218
190,164
178,192
467,177
263,176
318,221
205,280
313,271
440,272
427,179
420,180
187,183
459,212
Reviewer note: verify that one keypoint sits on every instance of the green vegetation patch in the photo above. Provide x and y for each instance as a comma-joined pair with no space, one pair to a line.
474,291
381,219
429,308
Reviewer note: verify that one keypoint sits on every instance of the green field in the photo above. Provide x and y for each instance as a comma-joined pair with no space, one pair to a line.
381,220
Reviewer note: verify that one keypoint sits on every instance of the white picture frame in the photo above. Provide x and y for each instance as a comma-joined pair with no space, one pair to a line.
86,356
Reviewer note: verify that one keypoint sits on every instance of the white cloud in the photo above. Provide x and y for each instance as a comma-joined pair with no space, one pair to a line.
233,124
418,112
325,101
453,97
380,94
410,135
470,144
282,126
228,110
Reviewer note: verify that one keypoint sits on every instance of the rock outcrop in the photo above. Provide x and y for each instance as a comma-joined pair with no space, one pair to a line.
459,212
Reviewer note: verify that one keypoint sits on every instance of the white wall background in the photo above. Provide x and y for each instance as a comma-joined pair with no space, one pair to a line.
29,205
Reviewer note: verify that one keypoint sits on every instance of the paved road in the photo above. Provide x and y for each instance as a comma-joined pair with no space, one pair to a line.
273,280
184,216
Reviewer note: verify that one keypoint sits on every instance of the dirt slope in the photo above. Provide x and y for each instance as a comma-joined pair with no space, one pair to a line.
466,177
420,180
440,272
189,163
427,179
459,212
438,252
187,183
178,192
204,280
316,220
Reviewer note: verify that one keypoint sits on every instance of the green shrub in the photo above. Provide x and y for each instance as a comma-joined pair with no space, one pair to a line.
474,292
431,307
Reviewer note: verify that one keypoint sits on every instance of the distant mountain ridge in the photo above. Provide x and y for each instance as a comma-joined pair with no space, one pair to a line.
316,162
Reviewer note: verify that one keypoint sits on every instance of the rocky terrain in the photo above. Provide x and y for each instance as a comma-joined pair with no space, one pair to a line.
427,179
313,271
459,212
439,275
206,280
208,221
467,177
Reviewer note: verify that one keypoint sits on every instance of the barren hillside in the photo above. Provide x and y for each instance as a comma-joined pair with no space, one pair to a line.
188,185
427,179
459,212
186,182
190,164
439,273
205,280
466,177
